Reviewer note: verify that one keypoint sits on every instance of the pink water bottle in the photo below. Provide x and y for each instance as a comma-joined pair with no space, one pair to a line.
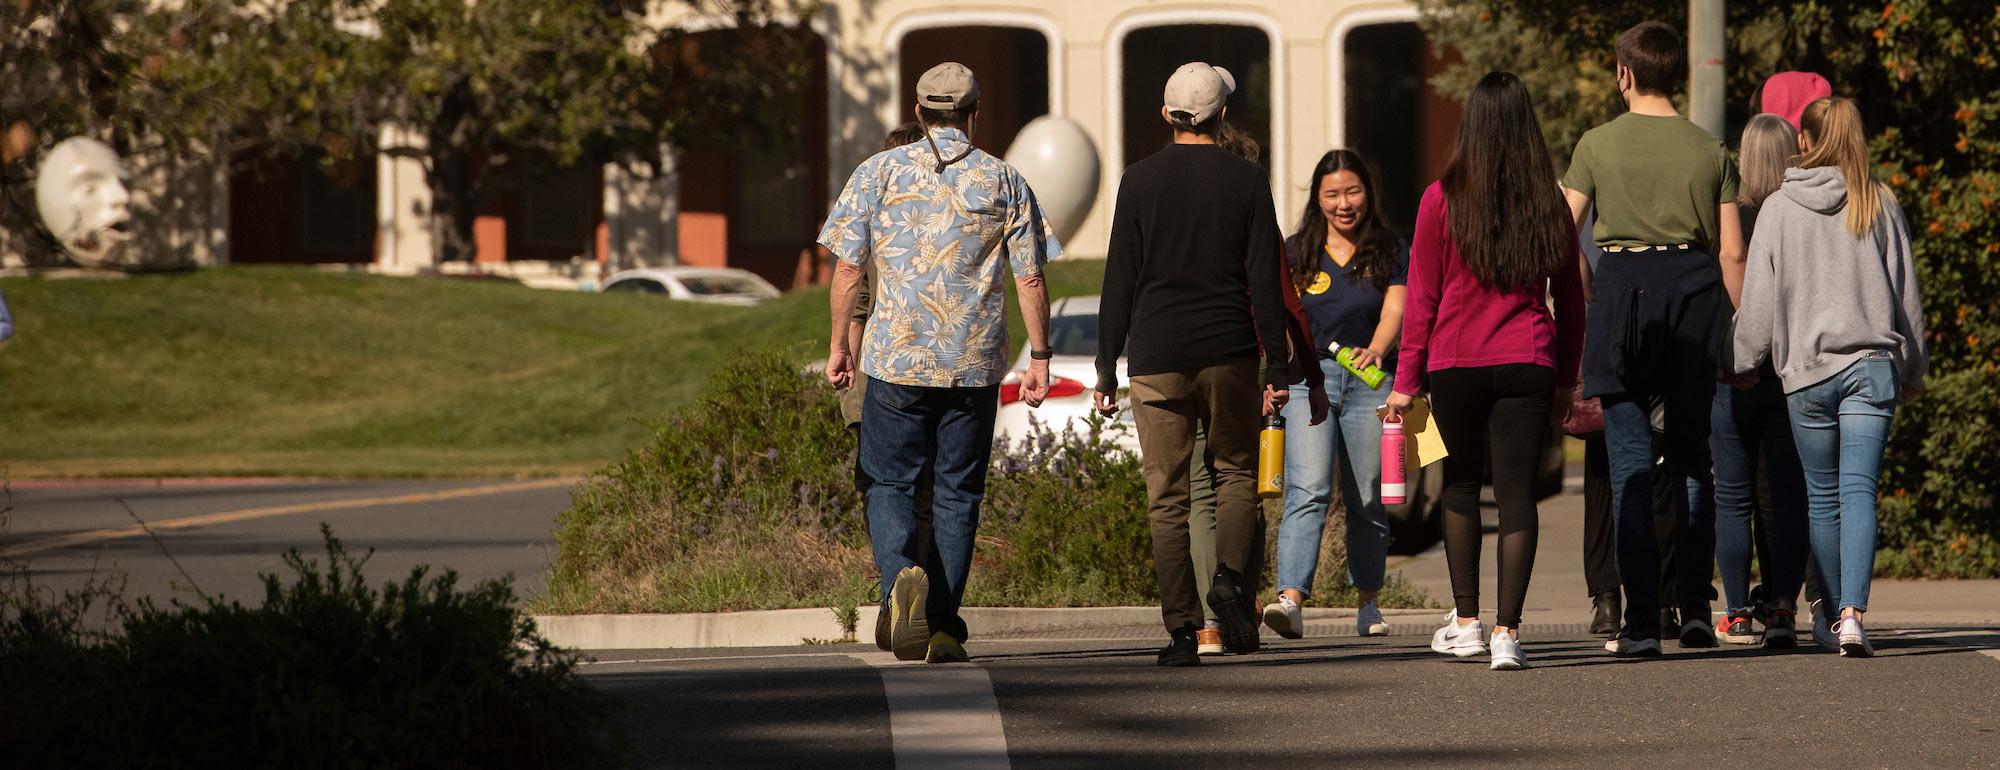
1395,475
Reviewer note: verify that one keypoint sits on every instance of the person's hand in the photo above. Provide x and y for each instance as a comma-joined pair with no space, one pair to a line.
1398,403
1107,403
1321,406
1559,408
840,368
1035,384
1275,399
1912,390
1366,357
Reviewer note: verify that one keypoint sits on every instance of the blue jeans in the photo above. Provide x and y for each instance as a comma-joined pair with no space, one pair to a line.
1841,425
1628,440
1353,431
903,429
1749,426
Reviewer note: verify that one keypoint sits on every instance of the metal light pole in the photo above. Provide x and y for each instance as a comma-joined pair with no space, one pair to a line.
1707,84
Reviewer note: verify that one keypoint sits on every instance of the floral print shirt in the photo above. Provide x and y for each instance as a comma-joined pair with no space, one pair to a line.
941,244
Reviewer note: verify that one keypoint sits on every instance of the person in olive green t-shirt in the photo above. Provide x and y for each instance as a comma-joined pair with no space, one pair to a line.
1656,180
1665,195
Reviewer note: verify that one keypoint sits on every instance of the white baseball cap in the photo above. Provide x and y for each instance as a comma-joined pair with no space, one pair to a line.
1199,89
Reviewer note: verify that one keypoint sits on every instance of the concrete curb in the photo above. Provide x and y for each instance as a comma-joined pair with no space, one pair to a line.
789,628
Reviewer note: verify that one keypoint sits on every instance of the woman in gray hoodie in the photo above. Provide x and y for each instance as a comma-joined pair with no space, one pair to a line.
1830,298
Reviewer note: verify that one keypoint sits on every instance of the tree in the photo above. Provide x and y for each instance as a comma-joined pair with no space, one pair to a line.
528,82
1926,74
481,84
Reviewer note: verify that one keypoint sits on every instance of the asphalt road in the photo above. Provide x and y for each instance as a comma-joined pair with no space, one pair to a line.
224,534
1924,702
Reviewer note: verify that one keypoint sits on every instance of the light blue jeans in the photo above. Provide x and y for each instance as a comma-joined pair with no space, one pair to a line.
1352,434
1841,425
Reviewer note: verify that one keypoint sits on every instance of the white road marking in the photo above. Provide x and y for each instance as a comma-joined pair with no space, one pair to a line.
942,716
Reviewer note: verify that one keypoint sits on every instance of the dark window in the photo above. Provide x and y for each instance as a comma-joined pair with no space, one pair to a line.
720,285
1391,114
637,286
1152,54
1073,335
1011,64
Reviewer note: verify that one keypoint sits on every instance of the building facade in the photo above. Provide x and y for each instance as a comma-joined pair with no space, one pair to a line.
1312,76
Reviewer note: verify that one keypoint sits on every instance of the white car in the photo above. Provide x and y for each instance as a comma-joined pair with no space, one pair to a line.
715,285
1072,376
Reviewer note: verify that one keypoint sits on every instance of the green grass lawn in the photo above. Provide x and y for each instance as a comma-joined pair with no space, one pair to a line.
293,371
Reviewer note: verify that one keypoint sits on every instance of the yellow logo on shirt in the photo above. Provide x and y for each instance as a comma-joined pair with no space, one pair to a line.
1321,282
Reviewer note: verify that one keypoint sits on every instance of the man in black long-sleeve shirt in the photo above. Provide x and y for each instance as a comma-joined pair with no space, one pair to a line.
1192,298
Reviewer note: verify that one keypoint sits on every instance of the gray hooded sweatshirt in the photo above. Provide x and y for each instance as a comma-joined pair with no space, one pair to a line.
1815,298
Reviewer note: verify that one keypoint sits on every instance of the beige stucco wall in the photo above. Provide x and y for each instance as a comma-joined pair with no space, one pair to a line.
1084,39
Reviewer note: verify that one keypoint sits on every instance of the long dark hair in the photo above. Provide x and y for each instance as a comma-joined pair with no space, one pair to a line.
1375,246
1506,211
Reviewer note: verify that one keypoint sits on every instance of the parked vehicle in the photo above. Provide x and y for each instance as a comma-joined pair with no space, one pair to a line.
716,285
1072,378
1414,526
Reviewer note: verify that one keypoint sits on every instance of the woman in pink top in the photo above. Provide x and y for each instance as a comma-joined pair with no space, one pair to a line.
1493,241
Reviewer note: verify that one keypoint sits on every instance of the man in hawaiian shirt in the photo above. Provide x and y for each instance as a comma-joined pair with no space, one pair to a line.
939,220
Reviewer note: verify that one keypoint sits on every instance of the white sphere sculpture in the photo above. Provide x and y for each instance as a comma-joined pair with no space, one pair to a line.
1059,160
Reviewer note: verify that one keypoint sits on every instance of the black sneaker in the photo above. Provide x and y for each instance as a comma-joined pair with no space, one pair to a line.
1233,612
882,629
1760,603
1697,628
1670,621
1778,631
1604,622
1180,651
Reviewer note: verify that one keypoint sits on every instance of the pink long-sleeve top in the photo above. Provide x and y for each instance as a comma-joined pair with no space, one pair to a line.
1451,320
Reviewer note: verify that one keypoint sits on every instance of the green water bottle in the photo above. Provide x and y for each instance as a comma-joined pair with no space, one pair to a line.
1371,376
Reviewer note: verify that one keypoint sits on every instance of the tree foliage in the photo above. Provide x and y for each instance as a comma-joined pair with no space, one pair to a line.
1926,74
475,86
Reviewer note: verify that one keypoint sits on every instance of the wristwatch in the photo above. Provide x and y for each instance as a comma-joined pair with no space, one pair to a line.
1041,355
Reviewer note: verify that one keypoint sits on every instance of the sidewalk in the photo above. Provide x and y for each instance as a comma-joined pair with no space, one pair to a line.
1557,593
1558,605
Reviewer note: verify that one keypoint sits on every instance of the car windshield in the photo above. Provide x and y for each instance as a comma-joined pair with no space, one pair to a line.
637,285
1073,335
719,285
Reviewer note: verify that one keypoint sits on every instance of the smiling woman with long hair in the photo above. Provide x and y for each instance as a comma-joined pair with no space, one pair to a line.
1493,241
1348,268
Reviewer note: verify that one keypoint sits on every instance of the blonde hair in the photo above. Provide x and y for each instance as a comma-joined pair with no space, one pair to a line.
1840,142
1769,147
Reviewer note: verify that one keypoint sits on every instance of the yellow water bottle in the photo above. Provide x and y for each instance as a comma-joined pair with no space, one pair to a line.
1271,458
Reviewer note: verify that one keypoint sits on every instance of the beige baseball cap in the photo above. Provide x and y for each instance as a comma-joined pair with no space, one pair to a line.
1199,89
947,86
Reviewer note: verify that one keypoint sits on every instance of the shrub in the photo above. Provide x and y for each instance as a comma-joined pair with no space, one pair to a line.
328,672
734,508
1937,516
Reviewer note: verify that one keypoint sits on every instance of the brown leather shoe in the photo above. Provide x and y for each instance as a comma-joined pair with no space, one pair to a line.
1208,641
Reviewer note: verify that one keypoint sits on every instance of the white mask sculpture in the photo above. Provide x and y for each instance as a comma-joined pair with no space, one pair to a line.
1059,161
80,192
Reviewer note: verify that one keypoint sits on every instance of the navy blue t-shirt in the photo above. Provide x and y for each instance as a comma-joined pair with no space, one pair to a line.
1344,306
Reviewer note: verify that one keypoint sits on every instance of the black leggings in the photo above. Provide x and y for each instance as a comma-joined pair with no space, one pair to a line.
1501,414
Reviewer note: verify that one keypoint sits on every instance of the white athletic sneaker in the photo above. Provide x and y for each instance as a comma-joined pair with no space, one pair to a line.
1507,653
1853,640
1368,621
1823,635
1284,616
1457,640
1626,646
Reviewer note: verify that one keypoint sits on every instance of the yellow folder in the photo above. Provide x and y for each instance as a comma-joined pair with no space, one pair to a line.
1423,444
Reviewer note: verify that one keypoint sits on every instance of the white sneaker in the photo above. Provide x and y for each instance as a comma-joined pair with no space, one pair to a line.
1458,640
1507,653
1284,616
1368,621
1823,635
1625,646
1853,640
